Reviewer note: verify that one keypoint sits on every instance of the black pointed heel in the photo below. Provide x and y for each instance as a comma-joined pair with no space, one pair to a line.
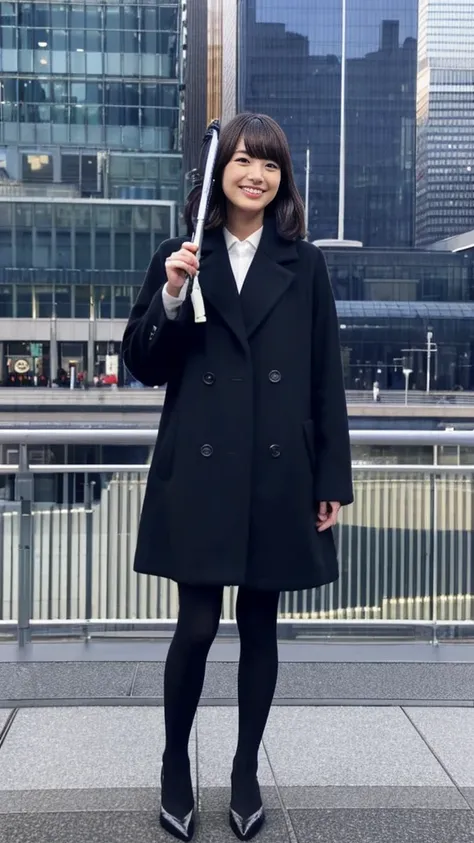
181,828
246,828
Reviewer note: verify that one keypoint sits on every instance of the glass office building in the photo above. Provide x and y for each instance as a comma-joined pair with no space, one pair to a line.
90,96
70,271
445,121
290,67
388,300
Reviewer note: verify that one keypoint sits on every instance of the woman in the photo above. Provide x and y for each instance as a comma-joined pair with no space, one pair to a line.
252,461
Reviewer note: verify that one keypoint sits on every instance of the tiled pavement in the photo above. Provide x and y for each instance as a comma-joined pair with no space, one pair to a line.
335,767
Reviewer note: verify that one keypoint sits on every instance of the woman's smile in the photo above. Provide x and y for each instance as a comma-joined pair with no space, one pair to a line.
252,192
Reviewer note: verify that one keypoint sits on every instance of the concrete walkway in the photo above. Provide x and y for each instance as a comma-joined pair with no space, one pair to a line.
80,748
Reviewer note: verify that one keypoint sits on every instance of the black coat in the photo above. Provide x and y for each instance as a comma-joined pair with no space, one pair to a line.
254,429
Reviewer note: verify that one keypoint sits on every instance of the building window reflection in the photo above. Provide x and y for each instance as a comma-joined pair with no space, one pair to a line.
103,302
82,301
6,301
24,301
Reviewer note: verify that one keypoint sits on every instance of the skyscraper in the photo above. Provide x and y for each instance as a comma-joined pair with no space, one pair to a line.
445,120
90,173
290,67
89,96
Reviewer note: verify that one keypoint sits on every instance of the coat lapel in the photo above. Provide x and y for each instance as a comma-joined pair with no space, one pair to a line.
268,278
218,283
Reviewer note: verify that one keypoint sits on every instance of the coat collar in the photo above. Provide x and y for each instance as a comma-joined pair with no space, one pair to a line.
268,278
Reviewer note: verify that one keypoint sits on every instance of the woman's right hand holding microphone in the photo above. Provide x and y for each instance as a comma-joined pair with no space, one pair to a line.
179,265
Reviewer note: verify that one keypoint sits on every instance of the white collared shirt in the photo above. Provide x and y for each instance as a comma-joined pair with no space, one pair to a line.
241,255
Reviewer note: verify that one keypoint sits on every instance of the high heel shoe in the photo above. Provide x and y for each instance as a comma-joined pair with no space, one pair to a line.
181,828
246,791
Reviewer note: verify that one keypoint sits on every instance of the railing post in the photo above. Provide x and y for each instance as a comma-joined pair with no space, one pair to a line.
434,553
89,528
24,493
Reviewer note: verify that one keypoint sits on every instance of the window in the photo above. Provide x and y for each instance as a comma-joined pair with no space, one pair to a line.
63,216
63,297
24,301
24,249
102,250
123,254
160,220
43,215
43,251
63,253
6,248
102,300
82,216
82,294
24,215
37,167
83,256
6,300
44,302
122,299
142,251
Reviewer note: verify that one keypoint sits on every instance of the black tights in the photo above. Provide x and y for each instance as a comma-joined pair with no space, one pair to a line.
199,614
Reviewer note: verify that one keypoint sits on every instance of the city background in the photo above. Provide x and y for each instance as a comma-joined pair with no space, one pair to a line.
103,107
102,110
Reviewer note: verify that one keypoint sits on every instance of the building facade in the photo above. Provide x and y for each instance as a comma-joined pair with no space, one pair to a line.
290,67
70,271
90,96
445,120
389,300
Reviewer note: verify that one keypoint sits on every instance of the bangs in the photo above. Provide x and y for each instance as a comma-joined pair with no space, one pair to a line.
263,141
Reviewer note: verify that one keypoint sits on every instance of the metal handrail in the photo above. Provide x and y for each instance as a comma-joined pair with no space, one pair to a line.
111,436
119,468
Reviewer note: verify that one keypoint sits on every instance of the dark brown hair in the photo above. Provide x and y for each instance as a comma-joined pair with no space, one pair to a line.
264,139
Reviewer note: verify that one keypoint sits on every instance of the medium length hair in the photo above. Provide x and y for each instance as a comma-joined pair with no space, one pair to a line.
266,140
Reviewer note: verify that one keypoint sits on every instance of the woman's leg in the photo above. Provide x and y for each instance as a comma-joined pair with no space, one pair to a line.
257,613
198,621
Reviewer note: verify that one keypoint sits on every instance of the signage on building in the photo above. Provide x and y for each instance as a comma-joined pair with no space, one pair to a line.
112,364
21,366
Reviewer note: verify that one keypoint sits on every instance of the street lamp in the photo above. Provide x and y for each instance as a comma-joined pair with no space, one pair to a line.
407,373
430,349
429,337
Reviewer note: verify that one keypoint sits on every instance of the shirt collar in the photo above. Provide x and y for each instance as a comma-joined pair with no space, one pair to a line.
254,239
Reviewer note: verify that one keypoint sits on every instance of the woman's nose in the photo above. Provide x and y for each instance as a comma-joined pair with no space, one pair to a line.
256,174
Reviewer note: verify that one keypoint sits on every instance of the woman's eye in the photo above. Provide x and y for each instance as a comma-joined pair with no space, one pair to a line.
242,160
272,165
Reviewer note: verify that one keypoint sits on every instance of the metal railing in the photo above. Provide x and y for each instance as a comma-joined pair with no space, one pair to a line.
405,547
398,397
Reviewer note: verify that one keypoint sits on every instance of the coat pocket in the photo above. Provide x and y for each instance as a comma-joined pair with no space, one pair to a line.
308,431
165,448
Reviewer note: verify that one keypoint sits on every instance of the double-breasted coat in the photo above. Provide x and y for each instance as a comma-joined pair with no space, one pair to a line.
254,429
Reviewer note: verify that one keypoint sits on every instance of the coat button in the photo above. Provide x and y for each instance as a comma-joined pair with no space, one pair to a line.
209,378
207,450
274,376
275,450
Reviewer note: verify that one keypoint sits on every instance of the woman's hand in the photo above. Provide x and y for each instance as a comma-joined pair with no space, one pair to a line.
179,265
327,515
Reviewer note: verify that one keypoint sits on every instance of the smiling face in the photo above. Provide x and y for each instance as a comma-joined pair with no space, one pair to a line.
250,184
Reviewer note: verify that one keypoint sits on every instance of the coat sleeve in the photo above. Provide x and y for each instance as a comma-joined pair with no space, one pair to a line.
153,346
333,471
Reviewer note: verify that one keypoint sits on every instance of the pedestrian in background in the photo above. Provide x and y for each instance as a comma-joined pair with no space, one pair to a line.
252,461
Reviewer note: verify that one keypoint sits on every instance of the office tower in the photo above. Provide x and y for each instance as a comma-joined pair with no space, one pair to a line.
89,96
290,67
90,173
445,120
